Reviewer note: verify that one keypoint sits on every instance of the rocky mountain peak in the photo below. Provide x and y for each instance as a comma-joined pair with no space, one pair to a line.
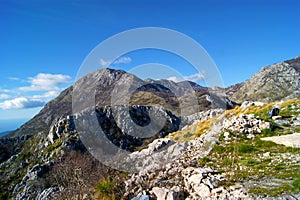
272,83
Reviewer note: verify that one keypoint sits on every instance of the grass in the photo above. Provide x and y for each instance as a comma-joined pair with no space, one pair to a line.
242,160
192,131
296,185
264,191
287,107
204,126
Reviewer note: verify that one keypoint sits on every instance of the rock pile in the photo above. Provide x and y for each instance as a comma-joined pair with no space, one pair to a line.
203,183
246,124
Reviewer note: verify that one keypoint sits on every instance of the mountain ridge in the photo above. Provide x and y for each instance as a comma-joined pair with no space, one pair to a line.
104,81
266,85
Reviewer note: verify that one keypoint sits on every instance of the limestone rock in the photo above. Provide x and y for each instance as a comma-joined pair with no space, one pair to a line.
246,124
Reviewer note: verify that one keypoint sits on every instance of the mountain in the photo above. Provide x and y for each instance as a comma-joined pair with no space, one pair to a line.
28,154
272,83
57,154
105,82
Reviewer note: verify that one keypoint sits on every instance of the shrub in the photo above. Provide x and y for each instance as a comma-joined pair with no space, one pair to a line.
79,173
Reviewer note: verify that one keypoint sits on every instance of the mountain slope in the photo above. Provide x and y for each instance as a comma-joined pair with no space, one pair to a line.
105,81
271,83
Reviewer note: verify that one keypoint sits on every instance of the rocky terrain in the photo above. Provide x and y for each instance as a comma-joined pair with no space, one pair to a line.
205,146
272,83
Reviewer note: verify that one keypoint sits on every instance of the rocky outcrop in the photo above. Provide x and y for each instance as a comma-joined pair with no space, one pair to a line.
47,193
128,127
29,186
64,124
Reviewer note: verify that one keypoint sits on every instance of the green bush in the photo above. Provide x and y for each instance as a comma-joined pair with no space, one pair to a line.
296,185
219,149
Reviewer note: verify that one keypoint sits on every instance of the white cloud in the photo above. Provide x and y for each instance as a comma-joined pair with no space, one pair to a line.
13,78
4,96
46,82
104,63
21,102
121,60
46,95
4,90
194,78
124,59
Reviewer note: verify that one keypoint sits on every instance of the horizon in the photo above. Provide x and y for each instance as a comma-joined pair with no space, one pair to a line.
43,44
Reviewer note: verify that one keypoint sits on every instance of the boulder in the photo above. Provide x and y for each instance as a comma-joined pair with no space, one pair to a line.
273,112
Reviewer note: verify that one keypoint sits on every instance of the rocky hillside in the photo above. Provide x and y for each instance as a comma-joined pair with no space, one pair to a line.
272,83
215,149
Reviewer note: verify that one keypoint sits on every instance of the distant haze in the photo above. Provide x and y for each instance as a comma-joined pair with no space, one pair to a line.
11,124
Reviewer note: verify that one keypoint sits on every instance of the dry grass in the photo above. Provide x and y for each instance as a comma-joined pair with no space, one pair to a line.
192,131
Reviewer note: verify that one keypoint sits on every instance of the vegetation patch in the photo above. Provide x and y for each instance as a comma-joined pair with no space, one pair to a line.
106,189
192,131
254,160
244,159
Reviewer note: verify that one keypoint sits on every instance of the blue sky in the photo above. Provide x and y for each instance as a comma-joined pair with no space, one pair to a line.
43,43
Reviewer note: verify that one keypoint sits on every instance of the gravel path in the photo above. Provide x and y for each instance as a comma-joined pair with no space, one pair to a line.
292,140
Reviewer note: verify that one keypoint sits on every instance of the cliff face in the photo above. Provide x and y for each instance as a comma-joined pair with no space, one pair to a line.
272,83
